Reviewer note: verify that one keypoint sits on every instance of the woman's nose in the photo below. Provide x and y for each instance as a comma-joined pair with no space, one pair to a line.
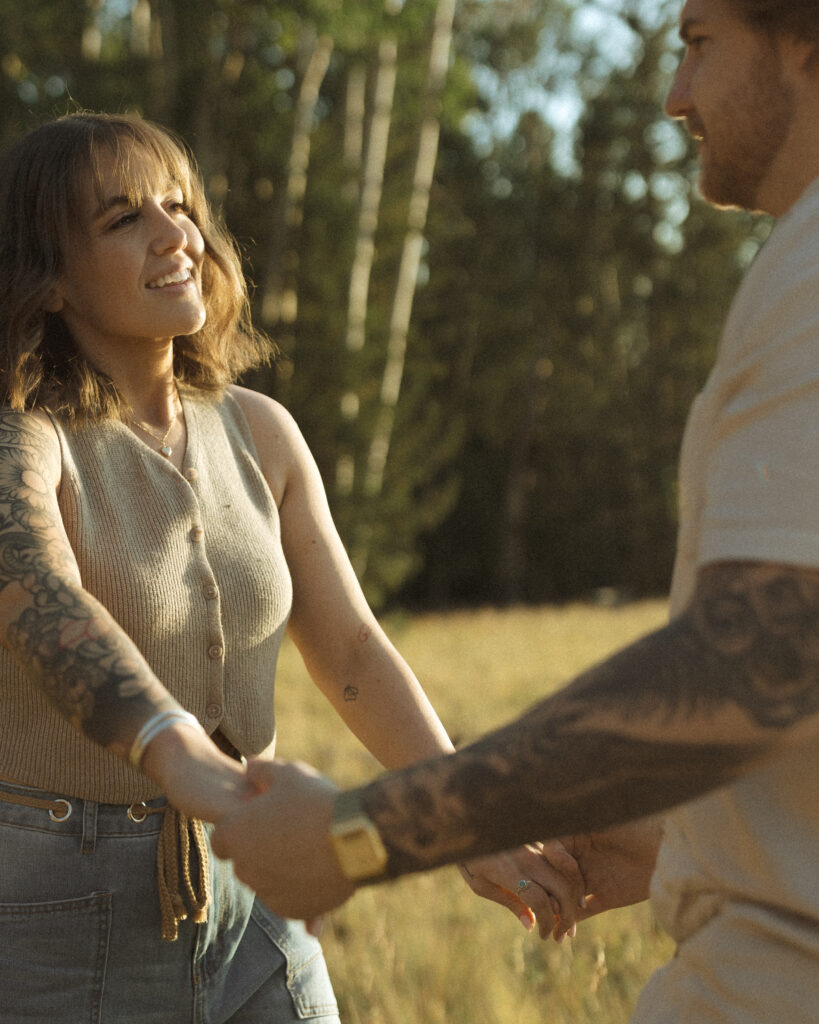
169,234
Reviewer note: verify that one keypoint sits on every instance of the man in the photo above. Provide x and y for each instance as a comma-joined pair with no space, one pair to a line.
714,719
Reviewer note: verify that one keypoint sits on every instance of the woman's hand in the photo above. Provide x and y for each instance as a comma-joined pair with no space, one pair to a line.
198,779
554,891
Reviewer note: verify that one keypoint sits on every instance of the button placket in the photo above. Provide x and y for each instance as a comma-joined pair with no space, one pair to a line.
211,598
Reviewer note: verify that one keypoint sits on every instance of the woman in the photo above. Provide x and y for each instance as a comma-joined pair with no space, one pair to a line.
160,527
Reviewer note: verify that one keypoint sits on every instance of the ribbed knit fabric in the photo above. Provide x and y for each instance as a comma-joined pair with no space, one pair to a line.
190,565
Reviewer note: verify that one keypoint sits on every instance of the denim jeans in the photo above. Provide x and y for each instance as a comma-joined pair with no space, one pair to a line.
80,938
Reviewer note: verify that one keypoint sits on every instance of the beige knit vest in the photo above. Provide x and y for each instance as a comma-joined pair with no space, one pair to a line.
190,565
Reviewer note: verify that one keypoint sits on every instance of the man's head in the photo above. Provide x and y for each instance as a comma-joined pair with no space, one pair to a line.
747,89
796,18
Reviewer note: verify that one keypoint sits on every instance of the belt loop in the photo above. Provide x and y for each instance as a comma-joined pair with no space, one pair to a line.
89,826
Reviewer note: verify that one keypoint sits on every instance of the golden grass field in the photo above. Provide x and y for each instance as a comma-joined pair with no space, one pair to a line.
425,950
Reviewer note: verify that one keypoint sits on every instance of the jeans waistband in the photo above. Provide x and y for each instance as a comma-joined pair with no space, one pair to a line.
28,807
180,840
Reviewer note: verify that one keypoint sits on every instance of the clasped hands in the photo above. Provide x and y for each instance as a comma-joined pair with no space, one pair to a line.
273,821
279,843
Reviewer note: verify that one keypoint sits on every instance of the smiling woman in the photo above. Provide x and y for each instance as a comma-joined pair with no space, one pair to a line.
92,174
160,528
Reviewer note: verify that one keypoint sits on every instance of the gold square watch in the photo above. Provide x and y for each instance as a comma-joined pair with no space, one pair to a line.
358,847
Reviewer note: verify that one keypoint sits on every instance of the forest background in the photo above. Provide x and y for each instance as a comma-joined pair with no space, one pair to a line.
476,240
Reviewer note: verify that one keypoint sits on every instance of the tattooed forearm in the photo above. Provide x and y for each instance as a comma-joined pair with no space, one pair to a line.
62,637
676,714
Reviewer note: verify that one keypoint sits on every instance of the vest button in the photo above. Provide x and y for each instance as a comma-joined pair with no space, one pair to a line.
213,710
191,474
215,651
197,533
211,591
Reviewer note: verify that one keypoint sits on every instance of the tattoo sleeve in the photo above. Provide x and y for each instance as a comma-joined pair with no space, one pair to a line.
680,712
62,637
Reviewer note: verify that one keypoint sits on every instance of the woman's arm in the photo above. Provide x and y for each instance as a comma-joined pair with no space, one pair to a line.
345,650
65,640
355,665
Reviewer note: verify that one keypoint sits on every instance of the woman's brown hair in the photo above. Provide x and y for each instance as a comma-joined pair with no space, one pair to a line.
42,177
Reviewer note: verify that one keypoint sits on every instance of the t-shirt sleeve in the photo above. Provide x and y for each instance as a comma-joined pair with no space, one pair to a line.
761,497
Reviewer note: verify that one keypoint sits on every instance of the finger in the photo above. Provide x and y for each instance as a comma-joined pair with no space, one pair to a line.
556,854
314,926
520,875
539,903
481,886
261,775
567,894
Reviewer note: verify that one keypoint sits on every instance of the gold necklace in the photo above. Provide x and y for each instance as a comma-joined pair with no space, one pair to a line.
164,448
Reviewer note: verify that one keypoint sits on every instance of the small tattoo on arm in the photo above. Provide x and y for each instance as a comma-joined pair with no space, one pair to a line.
350,694
364,634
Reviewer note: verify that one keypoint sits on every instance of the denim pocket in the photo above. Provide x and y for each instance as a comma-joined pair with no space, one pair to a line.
52,959
308,981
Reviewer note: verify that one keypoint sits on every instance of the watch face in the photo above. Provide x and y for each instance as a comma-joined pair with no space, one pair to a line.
361,853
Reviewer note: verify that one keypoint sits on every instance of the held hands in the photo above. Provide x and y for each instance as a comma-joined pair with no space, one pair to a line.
553,890
273,821
617,864
279,845
198,779
279,841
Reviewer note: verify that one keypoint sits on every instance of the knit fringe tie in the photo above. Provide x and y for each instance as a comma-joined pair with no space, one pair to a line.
178,838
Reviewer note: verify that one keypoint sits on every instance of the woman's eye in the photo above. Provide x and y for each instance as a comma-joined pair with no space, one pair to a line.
125,219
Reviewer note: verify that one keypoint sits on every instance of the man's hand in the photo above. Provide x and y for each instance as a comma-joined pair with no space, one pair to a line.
279,841
554,893
617,864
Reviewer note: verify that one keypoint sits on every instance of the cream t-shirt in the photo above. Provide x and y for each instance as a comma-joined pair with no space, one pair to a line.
737,880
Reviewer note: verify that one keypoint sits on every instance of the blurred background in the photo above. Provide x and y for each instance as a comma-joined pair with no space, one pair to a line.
476,240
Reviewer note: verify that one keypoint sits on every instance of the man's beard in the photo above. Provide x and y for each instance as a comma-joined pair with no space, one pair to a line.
748,137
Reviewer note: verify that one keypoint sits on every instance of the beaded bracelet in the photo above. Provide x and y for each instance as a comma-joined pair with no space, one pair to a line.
154,726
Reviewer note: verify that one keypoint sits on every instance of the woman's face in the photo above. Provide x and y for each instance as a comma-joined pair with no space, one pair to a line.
133,274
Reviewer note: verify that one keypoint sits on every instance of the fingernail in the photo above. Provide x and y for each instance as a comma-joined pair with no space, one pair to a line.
583,902
527,922
573,931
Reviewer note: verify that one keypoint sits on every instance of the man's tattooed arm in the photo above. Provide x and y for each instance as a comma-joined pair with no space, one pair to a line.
731,682
63,638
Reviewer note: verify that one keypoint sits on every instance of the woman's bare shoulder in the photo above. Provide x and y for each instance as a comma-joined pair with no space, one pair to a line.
279,442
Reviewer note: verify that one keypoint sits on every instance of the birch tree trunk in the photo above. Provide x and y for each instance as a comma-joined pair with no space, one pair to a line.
370,201
279,298
412,250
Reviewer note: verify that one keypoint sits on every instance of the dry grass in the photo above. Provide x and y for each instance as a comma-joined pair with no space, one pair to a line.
424,950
